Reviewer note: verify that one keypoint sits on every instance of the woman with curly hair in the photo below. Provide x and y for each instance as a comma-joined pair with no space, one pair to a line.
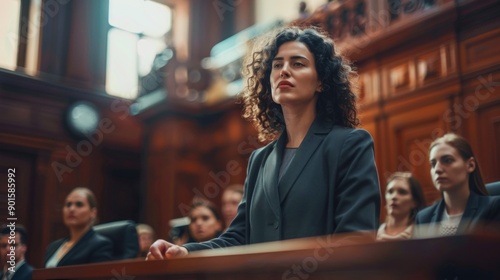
318,174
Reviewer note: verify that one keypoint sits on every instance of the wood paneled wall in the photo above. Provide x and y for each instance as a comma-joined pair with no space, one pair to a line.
34,138
49,162
193,155
424,70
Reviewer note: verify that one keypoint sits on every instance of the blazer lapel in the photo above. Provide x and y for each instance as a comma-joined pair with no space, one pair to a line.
53,249
469,213
270,172
76,249
437,216
438,213
311,141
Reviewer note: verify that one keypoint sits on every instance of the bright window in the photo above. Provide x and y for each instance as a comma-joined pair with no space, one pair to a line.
137,35
9,33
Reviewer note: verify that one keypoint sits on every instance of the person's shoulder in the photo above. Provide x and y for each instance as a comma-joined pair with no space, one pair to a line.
25,271
29,267
263,150
359,133
25,267
346,136
427,212
381,229
486,201
492,200
346,132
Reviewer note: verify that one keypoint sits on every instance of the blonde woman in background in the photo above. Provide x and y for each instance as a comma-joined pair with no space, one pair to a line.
404,198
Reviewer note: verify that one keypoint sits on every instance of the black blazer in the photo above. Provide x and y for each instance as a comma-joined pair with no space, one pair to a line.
480,210
91,248
22,273
331,186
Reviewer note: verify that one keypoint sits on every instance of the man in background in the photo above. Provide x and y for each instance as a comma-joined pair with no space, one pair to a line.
13,247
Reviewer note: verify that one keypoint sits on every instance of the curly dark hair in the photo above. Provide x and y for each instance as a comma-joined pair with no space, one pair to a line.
336,101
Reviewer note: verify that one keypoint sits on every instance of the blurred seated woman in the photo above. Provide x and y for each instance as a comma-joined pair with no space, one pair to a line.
404,198
146,235
465,203
205,222
231,198
83,245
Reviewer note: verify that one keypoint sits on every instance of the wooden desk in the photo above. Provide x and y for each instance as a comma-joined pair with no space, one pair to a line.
470,257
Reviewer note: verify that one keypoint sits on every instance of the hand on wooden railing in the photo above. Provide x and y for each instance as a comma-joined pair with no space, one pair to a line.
162,249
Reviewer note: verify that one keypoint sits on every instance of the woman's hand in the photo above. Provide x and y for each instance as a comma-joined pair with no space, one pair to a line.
162,249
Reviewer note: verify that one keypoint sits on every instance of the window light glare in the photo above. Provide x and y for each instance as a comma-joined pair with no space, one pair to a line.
124,14
147,49
121,73
156,20
9,29
139,16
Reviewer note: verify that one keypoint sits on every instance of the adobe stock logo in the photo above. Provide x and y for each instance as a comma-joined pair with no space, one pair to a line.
222,178
121,275
454,118
309,265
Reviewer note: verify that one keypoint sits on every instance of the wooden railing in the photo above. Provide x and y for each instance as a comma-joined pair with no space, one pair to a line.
355,24
459,257
353,18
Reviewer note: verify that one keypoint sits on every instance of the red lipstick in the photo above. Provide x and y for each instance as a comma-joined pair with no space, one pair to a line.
285,84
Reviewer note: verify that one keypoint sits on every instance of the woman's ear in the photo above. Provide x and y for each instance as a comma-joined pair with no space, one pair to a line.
94,213
319,88
471,164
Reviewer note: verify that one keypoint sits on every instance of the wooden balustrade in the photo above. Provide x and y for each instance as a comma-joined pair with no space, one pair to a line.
472,256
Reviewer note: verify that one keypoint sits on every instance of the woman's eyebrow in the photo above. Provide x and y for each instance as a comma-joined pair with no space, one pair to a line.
292,57
299,57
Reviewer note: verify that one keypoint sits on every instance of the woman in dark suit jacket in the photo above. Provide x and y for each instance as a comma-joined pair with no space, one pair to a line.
83,245
465,204
318,176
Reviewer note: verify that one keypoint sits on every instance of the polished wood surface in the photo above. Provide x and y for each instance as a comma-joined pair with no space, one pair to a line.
466,257
423,71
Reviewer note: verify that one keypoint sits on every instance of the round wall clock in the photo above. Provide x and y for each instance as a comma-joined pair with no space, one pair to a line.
82,118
